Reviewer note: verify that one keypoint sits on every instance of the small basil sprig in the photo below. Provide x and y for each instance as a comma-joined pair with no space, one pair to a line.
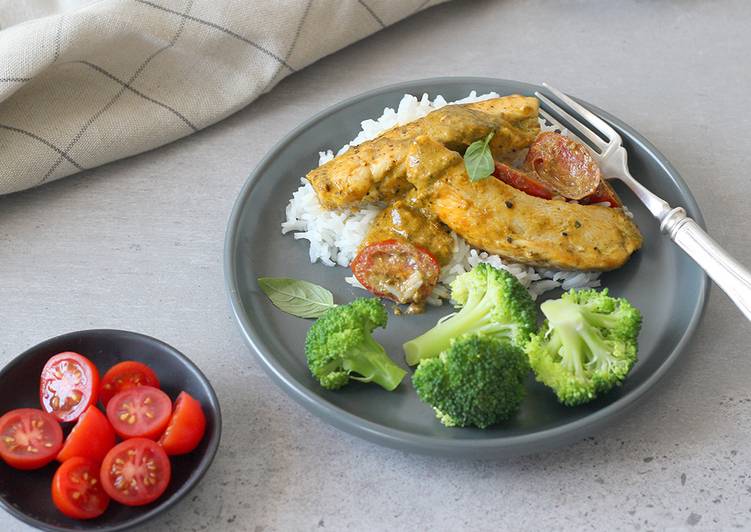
296,297
478,159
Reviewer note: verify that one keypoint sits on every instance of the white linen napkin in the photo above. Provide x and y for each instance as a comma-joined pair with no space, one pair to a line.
83,83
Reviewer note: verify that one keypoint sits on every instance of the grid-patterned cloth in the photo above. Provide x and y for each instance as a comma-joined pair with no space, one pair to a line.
114,78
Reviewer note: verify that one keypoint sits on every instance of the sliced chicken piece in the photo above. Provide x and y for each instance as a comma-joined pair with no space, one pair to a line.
502,220
405,220
376,170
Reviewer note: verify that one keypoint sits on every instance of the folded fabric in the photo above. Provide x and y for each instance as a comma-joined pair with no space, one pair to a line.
109,79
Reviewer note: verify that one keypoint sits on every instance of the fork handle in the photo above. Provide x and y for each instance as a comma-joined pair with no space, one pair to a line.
725,271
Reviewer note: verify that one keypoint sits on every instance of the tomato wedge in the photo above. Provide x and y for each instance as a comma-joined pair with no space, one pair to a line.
604,194
92,437
524,181
564,165
125,375
69,384
135,472
186,428
396,270
31,438
140,412
76,490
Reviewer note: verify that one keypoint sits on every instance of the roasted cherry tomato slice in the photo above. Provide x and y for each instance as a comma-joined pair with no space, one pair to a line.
396,270
564,165
31,438
140,412
68,385
92,437
603,194
524,181
77,491
135,472
125,375
186,428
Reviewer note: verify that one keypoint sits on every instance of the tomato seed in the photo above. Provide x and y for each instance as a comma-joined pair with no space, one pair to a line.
32,449
76,495
9,440
55,402
149,415
147,401
119,461
48,444
132,419
124,416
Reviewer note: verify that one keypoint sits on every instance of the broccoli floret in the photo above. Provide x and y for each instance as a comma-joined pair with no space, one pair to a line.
478,381
340,347
491,301
586,346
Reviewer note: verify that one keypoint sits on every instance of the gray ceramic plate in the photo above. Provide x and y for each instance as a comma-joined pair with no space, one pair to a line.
660,280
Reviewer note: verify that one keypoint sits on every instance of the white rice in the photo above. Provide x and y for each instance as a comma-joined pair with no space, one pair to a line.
334,236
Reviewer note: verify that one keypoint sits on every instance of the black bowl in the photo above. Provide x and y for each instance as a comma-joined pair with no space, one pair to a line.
26,494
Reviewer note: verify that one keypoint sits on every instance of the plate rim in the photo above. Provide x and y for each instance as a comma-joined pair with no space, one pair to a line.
403,440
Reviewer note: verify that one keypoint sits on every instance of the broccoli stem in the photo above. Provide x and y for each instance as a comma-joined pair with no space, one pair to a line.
437,339
373,364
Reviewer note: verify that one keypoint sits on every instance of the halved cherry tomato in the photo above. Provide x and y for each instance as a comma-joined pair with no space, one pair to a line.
135,472
68,385
140,412
31,438
125,375
564,165
396,270
92,437
524,181
603,194
77,491
186,428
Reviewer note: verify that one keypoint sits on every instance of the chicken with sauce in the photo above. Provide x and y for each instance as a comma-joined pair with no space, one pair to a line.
376,170
502,220
521,214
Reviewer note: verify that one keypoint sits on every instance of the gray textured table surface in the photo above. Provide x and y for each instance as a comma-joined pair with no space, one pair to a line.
138,245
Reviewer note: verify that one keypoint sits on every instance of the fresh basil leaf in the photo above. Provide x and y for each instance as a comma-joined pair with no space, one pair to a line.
478,159
296,297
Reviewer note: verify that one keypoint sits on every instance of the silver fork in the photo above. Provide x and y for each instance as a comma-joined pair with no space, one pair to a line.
725,271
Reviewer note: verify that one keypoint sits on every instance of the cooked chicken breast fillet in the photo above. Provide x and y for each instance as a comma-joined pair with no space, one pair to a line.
502,220
376,170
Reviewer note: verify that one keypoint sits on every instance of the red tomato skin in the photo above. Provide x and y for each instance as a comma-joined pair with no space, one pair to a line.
62,483
44,454
157,425
92,437
89,394
126,370
361,266
186,428
603,194
163,469
523,181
